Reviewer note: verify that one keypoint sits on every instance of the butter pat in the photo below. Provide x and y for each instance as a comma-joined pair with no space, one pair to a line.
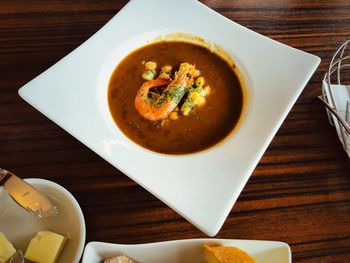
6,248
45,247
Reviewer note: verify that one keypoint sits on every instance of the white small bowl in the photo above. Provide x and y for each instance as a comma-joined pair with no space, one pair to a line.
20,226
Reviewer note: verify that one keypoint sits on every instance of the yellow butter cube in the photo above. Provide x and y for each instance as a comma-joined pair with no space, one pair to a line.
6,248
45,247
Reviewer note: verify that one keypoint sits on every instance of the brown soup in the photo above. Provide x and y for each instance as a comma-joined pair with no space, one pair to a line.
205,127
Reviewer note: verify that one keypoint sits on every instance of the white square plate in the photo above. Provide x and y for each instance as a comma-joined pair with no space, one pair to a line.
190,250
201,187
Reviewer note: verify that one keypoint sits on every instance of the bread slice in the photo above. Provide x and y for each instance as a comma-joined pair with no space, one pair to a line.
119,259
226,254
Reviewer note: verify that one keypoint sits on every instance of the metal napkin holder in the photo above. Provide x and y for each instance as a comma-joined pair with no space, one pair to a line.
335,94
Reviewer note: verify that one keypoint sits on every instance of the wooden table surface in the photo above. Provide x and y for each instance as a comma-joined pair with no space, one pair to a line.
300,191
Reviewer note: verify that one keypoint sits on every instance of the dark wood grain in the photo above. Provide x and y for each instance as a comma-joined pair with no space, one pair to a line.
300,191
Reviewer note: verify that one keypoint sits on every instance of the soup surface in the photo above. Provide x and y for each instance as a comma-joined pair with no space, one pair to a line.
204,127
